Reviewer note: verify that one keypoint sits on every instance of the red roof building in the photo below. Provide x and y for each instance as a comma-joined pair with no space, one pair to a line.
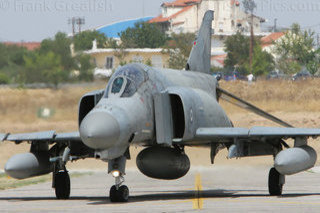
28,45
268,43
186,16
270,39
218,60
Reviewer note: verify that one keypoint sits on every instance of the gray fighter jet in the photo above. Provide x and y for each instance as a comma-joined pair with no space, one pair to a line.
164,111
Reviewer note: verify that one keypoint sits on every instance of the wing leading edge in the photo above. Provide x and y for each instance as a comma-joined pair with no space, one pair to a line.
48,136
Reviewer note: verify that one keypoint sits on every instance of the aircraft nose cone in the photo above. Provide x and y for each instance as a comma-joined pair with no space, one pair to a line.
99,130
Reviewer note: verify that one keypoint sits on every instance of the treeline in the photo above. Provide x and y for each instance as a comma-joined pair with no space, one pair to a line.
295,51
52,63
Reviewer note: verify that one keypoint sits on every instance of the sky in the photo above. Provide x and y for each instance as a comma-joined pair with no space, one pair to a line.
34,20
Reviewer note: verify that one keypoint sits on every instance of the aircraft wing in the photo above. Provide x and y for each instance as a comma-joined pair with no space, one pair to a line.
215,134
3,136
49,136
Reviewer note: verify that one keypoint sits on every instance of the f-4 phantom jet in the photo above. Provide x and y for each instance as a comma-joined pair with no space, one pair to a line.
163,110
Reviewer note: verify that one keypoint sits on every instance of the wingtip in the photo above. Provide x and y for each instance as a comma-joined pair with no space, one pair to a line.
3,137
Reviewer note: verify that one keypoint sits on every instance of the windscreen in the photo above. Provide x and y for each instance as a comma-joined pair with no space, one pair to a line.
126,80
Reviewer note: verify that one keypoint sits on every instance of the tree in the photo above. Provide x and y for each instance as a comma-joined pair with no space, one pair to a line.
121,53
296,49
111,43
52,63
237,48
11,62
85,67
143,35
44,68
83,40
179,47
250,5
60,45
262,62
4,79
3,56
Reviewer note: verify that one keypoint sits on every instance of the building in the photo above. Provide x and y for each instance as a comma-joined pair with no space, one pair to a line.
186,16
268,42
107,60
218,60
181,16
113,30
28,45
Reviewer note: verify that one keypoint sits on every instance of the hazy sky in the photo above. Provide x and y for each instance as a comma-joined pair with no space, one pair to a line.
34,20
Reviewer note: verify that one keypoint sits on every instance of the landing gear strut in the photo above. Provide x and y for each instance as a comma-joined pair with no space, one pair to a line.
62,185
118,192
276,182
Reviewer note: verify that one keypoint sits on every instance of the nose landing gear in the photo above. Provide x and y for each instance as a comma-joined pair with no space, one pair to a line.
118,192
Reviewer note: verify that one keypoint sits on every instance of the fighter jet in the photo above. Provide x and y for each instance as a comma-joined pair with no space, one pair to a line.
164,111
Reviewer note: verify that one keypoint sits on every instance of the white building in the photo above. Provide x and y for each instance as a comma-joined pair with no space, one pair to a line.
186,16
268,43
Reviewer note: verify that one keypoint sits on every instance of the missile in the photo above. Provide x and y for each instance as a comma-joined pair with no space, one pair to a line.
27,165
295,160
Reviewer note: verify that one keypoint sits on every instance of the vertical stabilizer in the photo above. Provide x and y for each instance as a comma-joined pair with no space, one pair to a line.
200,56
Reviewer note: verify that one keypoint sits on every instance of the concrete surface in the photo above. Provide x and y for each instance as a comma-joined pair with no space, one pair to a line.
214,189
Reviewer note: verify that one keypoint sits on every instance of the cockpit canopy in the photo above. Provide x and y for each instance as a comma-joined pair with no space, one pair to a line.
125,81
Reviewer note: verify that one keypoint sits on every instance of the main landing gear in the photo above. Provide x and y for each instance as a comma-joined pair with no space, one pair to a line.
276,182
62,185
118,192
60,175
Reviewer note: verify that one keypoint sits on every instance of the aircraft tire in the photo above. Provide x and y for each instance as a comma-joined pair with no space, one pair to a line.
275,187
113,195
123,193
62,185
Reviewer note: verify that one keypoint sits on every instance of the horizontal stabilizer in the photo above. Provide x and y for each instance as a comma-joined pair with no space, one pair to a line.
224,95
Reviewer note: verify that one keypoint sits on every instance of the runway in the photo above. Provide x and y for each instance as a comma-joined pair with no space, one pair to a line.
213,189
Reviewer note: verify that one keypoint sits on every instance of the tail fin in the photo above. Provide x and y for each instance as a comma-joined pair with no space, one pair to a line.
200,56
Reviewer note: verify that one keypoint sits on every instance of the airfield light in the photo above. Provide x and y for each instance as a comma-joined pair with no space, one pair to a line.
115,173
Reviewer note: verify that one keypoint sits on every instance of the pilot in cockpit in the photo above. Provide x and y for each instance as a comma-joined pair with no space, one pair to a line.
125,82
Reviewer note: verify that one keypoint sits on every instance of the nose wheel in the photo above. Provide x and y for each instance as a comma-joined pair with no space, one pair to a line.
118,192
119,195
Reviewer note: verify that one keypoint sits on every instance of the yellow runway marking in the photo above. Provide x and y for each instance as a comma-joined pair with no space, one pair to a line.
197,202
